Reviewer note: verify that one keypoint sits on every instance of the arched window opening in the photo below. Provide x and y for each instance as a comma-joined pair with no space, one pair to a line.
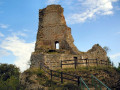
56,45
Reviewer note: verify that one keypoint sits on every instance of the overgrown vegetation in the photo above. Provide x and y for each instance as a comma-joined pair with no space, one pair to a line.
45,80
118,68
36,71
89,68
68,86
9,77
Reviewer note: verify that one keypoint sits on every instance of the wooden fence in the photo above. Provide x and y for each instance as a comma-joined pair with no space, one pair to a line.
61,75
79,81
87,62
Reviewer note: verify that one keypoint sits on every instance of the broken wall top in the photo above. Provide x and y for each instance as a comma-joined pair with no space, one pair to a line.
51,15
53,29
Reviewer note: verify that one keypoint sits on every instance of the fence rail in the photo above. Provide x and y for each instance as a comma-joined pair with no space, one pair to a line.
79,81
62,75
86,62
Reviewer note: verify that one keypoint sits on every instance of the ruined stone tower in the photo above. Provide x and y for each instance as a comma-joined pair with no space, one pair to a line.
55,42
53,33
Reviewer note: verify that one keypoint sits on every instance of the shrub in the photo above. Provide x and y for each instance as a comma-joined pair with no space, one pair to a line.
9,77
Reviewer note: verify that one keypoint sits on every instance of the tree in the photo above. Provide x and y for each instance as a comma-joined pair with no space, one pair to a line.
118,69
6,71
107,49
119,65
9,77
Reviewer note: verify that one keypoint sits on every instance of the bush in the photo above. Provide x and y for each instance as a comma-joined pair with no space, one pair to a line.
9,77
6,71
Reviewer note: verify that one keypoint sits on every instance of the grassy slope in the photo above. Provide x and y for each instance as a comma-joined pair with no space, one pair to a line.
108,75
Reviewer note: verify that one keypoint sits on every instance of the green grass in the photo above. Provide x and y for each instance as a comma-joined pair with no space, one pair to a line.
66,86
88,68
55,84
37,71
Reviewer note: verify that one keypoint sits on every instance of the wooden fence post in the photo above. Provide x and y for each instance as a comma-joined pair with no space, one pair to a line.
86,62
97,62
51,74
61,64
61,77
78,80
101,62
75,61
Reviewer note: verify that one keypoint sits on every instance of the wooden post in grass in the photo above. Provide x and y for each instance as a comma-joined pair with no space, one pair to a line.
78,80
61,64
86,62
75,61
51,74
61,77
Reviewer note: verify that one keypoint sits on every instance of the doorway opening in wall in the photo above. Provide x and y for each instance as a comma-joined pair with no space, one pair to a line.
75,57
56,45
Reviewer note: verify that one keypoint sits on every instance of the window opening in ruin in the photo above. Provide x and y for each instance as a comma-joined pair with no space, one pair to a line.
56,45
75,58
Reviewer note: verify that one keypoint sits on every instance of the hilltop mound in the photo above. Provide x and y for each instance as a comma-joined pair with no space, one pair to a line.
37,79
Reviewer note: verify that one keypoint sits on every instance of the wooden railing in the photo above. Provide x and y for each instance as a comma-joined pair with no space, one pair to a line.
87,62
62,75
75,78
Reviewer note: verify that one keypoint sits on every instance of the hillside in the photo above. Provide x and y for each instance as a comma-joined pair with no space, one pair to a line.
35,78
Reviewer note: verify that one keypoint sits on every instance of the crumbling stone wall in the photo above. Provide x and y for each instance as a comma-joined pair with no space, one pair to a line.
52,28
53,61
97,52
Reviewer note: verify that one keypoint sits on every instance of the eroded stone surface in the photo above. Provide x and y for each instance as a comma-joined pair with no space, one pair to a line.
52,31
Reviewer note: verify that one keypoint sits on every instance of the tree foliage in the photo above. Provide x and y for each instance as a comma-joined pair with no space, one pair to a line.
9,77
107,49
118,69
6,71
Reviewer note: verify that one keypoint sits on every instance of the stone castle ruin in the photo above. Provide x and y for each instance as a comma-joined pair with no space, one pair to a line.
55,42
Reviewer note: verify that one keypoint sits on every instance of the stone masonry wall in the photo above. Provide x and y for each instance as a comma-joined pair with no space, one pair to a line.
52,28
